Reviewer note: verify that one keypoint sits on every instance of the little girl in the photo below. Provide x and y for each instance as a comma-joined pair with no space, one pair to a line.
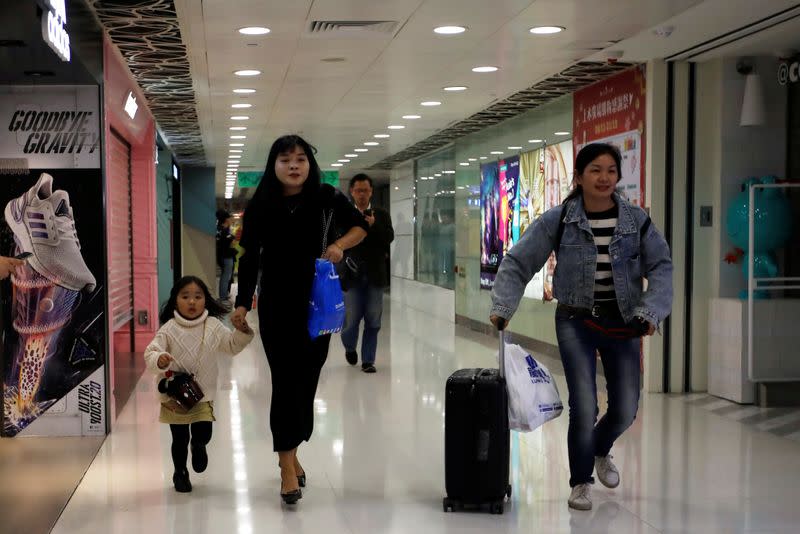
189,341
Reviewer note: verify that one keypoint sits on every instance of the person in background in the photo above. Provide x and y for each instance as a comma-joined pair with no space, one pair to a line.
365,278
605,249
226,254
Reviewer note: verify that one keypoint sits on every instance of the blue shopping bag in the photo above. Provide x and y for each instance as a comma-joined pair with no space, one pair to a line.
326,305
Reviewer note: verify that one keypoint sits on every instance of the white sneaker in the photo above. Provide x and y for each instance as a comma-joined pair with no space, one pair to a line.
581,497
607,472
43,224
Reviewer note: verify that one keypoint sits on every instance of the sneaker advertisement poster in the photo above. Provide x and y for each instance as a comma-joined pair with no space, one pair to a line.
52,310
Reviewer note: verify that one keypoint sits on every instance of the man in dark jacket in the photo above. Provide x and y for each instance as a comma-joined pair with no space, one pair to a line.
363,295
226,255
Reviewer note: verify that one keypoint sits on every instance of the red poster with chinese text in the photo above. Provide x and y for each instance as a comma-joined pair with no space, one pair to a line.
613,111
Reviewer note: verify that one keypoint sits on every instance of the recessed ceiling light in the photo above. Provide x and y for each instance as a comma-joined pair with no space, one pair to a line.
235,144
483,157
235,151
412,117
534,140
240,118
234,156
244,91
360,150
464,164
343,160
430,103
546,30
455,88
254,30
237,128
337,165
395,127
472,159
487,68
238,137
247,72
562,133
496,152
371,143
351,155
438,174
381,136
241,106
515,148
449,30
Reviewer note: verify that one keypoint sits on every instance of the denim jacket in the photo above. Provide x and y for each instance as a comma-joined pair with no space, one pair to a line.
573,284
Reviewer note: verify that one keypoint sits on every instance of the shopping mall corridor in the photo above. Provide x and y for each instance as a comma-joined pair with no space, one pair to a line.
375,462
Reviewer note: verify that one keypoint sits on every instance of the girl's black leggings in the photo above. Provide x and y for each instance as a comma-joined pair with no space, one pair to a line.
200,435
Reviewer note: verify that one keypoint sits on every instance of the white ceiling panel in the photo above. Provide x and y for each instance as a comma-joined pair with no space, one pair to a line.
382,76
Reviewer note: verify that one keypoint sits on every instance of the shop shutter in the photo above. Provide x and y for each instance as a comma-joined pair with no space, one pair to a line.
120,273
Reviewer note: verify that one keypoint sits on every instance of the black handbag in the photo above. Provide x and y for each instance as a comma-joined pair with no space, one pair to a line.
182,388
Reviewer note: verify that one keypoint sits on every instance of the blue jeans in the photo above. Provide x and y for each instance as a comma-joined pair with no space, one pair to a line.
586,437
363,301
225,277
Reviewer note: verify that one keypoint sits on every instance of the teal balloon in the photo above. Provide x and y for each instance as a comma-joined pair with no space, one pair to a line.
773,217
764,266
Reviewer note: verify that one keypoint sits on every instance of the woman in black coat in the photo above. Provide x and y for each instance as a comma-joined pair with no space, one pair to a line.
283,234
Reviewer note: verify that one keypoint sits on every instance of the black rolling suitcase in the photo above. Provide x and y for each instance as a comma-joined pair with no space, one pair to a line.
476,438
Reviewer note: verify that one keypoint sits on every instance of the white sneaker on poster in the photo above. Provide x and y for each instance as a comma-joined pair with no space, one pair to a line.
43,224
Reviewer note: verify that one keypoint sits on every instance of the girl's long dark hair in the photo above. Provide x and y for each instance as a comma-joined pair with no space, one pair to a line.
588,154
215,309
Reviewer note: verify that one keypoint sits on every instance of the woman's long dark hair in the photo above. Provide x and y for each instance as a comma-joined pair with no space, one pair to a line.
270,190
215,309
588,154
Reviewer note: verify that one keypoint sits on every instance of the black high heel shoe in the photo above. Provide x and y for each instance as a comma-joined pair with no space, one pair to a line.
292,497
301,479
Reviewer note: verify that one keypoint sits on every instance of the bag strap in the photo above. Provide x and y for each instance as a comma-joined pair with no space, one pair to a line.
560,231
326,226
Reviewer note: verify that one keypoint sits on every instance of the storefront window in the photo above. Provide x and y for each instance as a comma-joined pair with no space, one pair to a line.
435,219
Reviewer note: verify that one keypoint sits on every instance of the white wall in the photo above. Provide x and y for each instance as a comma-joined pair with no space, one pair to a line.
413,295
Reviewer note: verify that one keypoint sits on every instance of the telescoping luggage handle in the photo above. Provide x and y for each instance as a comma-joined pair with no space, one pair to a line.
501,326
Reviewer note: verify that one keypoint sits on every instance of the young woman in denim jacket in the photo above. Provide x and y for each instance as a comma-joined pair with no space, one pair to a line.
603,306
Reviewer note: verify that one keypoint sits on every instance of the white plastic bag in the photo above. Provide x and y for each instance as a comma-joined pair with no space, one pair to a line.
532,393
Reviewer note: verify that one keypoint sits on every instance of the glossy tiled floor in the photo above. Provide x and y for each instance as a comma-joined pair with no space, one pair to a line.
375,463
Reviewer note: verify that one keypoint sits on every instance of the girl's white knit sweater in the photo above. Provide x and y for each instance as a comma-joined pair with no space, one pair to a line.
195,347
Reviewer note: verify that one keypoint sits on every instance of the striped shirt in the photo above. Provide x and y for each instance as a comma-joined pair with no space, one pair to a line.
603,225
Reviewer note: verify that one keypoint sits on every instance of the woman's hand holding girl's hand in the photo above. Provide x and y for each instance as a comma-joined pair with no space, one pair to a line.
242,326
239,319
164,361
334,253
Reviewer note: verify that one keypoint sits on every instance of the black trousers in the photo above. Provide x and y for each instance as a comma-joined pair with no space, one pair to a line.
295,363
199,434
